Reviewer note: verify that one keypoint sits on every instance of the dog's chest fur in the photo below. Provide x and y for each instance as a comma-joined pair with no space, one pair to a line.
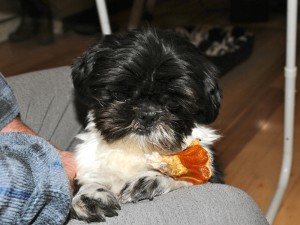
114,164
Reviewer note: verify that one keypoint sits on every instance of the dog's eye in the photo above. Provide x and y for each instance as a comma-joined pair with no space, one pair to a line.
119,96
168,101
164,99
172,104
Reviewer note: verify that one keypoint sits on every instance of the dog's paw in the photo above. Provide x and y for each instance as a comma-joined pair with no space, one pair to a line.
93,203
149,186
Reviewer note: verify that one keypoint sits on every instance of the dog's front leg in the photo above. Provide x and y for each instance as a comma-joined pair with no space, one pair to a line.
148,185
93,202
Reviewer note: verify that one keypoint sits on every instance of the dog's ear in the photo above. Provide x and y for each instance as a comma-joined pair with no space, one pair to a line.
209,109
82,70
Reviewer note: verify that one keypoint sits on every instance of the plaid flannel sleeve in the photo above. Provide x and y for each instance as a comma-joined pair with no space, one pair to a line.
9,108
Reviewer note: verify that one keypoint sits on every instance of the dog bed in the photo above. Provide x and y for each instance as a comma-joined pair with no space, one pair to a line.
225,46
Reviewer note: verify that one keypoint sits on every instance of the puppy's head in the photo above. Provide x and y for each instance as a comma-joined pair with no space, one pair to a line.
147,84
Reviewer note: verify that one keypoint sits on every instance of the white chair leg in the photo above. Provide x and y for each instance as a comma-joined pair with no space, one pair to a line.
103,17
289,110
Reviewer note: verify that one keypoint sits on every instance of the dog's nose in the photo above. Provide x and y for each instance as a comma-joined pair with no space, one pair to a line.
147,118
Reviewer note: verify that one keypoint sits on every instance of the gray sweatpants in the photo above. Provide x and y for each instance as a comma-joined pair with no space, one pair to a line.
47,105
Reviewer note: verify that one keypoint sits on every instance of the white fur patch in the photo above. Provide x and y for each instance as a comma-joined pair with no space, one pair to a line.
114,164
122,169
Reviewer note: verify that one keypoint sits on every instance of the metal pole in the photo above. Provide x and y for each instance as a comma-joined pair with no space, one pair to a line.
103,17
289,109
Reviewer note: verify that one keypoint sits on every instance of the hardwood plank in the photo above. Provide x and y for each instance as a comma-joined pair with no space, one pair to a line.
16,58
253,75
249,99
251,118
256,168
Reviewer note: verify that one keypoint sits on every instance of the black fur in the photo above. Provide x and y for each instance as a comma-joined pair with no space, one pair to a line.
144,188
149,83
96,209
123,77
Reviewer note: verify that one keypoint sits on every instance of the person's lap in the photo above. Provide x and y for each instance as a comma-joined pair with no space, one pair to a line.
48,106
206,204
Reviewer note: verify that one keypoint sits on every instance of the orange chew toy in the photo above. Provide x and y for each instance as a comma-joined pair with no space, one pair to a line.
192,164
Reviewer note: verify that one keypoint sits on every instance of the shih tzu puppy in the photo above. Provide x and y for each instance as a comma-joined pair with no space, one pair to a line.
147,91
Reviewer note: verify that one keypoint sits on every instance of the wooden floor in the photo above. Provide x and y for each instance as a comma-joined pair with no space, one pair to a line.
251,117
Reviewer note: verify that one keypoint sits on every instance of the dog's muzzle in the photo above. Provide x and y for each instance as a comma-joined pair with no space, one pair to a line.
147,116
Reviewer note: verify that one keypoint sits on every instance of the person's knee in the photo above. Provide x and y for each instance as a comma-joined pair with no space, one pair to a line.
240,206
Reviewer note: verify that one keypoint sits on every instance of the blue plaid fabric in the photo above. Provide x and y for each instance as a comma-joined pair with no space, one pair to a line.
8,104
34,187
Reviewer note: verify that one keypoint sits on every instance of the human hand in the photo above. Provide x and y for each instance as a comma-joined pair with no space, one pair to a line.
67,157
70,166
